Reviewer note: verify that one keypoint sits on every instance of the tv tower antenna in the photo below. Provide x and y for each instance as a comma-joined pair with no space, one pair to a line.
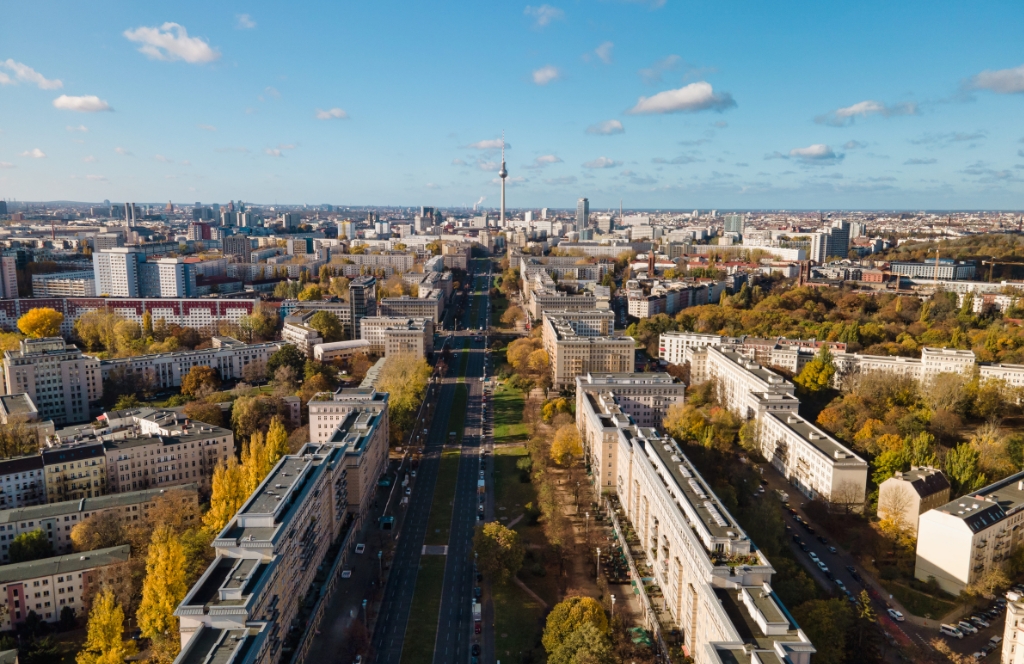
503,173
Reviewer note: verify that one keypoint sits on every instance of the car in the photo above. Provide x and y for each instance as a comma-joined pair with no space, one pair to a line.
976,656
475,650
813,556
358,660
408,490
360,548
951,630
856,576
412,473
832,550
831,576
796,538
803,547
346,573
823,539
822,566
479,577
839,582
967,627
478,592
895,615
810,528
980,622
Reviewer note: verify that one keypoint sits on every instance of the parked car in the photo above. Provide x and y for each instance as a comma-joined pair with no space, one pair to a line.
895,615
832,550
966,627
980,622
476,649
951,630
823,539
839,582
346,573
360,548
813,556
822,566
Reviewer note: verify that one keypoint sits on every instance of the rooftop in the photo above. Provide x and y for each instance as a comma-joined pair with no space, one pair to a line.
988,505
73,562
39,512
814,436
223,646
18,404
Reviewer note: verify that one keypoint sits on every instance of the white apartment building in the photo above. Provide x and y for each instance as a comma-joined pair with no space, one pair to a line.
65,284
716,584
576,347
389,335
645,397
429,304
228,356
47,586
59,379
1013,630
813,461
1011,374
743,383
933,361
117,272
58,519
340,350
969,536
672,344
22,482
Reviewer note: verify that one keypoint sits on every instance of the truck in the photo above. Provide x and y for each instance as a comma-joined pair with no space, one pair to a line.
481,487
783,496
476,617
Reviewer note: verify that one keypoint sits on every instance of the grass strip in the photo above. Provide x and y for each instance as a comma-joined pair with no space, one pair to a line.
517,624
439,524
463,364
917,602
509,404
500,304
421,630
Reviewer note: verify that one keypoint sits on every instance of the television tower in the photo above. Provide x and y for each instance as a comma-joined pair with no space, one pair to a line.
503,173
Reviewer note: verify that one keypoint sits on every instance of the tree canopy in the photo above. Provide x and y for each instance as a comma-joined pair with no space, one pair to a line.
498,550
41,322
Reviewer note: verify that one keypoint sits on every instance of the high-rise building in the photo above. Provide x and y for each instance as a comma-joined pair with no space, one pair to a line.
291,220
59,379
582,214
362,298
543,213
9,275
734,223
346,230
528,216
840,239
117,272
198,232
238,245
228,218
3,207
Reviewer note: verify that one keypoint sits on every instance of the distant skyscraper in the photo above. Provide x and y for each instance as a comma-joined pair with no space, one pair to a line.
582,214
734,223
3,207
528,217
543,213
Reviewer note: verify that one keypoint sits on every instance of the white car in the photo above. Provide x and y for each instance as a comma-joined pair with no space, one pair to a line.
895,615
346,573
360,548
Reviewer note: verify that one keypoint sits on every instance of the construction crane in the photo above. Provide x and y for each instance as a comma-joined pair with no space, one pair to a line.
992,263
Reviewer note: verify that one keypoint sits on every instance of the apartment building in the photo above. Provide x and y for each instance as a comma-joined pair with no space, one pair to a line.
59,379
65,284
1012,374
429,304
772,351
1013,630
117,271
907,495
58,519
672,344
49,585
541,298
74,471
933,361
962,540
21,482
230,357
578,343
670,297
18,409
645,397
715,582
742,383
813,461
391,336
296,331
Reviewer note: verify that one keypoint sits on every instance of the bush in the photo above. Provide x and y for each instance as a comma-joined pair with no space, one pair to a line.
888,573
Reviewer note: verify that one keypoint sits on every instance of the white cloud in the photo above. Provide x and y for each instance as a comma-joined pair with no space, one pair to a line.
488,166
279,150
602,162
687,99
28,75
854,145
653,74
90,159
81,128
546,74
244,22
331,114
161,158
5,79
207,127
544,15
273,152
171,42
489,144
96,178
919,162
817,153
123,152
606,128
186,162
545,160
7,164
846,115
458,162
1002,81
35,153
568,179
271,91
83,104
604,52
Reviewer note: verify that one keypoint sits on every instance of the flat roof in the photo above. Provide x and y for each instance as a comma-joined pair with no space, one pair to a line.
211,645
51,510
72,562
18,404
988,505
745,624
814,436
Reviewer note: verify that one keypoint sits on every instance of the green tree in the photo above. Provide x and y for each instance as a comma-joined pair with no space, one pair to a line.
585,644
498,550
164,587
127,402
32,545
286,355
104,643
328,325
826,623
568,615
208,413
817,374
962,469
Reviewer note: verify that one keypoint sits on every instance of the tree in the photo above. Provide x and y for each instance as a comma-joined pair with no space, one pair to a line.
199,381
258,460
584,645
277,438
254,413
207,413
228,495
328,325
32,545
17,439
98,532
825,622
104,643
310,293
404,378
41,322
568,615
987,584
498,550
164,587
127,402
566,446
962,469
817,374
287,355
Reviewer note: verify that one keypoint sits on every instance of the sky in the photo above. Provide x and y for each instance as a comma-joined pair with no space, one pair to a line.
662,104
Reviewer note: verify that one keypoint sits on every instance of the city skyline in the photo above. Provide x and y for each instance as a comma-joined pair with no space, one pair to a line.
665,104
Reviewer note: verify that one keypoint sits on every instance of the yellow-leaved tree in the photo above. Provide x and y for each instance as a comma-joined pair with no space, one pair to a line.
568,615
164,587
227,496
277,440
41,322
104,644
566,447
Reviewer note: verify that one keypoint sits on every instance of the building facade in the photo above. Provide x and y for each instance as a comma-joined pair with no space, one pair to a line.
60,380
578,343
905,496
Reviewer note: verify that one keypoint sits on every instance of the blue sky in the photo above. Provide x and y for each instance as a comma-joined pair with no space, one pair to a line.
731,105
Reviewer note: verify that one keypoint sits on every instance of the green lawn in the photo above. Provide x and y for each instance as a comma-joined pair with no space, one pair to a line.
463,364
439,524
500,304
517,625
457,416
508,415
917,602
421,631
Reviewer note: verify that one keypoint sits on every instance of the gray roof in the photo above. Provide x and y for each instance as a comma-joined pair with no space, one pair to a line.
73,562
51,510
925,481
989,505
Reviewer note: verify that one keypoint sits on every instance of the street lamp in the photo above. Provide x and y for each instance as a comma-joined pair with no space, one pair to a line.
587,522
599,562
364,611
613,606
380,559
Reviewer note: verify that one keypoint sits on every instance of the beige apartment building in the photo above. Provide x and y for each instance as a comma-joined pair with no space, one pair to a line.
59,379
579,342
907,495
389,335
230,357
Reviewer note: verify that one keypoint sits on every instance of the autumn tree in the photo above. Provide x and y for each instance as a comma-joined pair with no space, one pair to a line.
585,644
498,550
228,495
818,373
254,413
199,381
32,545
277,438
207,413
164,587
962,469
404,378
99,531
17,439
568,615
41,322
104,643
310,293
288,355
258,460
328,325
566,446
